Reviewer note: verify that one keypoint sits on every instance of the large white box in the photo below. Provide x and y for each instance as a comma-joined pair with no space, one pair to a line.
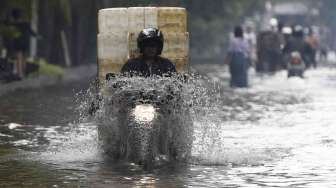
119,29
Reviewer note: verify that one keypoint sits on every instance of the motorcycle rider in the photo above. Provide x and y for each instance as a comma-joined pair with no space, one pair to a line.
149,63
296,52
269,44
295,67
296,43
150,43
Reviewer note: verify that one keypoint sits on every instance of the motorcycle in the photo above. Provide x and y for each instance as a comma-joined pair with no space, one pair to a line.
151,126
296,66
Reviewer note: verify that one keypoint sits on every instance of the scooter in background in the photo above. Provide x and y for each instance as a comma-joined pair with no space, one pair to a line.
296,66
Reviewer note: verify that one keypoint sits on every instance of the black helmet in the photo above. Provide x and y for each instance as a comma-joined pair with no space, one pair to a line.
150,35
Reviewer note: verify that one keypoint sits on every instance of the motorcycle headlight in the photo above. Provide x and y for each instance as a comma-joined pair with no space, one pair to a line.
144,113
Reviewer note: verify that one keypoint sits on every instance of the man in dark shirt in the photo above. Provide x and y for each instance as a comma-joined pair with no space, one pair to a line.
21,43
150,44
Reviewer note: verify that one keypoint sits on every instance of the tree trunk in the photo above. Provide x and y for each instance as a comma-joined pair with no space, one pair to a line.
34,26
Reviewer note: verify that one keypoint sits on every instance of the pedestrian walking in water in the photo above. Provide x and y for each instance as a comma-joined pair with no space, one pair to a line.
21,42
251,38
312,44
238,59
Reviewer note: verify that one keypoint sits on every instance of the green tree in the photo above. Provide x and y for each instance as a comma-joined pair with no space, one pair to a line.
208,23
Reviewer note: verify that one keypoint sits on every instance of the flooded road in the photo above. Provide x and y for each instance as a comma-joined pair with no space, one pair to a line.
278,133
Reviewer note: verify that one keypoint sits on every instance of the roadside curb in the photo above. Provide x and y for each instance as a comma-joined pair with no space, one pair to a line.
85,72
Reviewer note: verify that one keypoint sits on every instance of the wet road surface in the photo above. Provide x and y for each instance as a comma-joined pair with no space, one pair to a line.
278,133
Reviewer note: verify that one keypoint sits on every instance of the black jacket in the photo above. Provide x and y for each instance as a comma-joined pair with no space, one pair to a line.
21,43
138,67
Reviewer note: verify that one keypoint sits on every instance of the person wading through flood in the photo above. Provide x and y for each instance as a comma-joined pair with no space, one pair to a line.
150,44
238,59
21,43
312,46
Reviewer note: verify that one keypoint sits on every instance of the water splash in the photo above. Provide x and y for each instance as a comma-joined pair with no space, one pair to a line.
117,100
231,126
208,104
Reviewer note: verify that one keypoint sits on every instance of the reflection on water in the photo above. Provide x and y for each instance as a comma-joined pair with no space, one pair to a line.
280,133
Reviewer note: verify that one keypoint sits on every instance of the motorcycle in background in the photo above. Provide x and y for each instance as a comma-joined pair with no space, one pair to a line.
296,66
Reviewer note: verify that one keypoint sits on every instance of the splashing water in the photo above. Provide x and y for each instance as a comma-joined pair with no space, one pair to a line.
118,127
208,104
278,132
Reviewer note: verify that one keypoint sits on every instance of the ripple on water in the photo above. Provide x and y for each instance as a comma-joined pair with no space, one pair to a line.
278,132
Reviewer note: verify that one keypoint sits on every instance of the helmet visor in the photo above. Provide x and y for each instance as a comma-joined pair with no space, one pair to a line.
151,43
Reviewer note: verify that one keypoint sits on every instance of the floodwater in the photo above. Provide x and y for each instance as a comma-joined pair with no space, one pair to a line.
278,133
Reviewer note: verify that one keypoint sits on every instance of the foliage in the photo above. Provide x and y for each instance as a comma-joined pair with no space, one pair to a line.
328,12
46,68
66,10
63,8
9,31
209,23
7,5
